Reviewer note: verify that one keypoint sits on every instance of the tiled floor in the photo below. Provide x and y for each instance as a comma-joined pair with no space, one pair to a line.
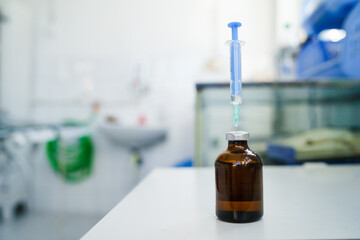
38,226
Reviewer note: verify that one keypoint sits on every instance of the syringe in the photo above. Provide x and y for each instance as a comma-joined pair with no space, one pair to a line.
235,69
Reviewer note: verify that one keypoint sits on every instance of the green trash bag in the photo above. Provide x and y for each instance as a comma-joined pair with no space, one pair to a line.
71,158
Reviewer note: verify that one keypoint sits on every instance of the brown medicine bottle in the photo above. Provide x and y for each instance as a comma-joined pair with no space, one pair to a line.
239,181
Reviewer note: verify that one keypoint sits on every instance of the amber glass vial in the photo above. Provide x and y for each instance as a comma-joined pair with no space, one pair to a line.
239,181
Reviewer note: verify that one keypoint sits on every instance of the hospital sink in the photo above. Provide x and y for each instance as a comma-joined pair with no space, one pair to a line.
134,138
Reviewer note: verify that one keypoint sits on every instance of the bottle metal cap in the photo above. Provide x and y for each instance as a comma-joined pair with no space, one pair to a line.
237,135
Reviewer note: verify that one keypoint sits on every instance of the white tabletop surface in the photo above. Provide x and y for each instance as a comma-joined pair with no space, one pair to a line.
311,202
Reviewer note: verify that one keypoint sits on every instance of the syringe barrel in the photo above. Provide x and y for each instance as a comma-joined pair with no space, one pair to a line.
235,71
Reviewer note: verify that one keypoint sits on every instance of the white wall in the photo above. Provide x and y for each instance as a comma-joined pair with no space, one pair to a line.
289,13
88,50
16,70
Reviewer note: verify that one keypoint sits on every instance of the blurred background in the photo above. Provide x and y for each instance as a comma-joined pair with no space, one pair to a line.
95,94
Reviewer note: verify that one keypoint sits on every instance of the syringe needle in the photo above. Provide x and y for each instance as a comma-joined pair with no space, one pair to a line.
236,109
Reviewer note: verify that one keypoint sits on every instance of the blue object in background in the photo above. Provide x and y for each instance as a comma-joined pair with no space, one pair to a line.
319,59
331,59
287,155
281,153
329,14
185,163
350,59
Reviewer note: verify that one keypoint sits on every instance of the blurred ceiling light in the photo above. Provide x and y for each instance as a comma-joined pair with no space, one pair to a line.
332,35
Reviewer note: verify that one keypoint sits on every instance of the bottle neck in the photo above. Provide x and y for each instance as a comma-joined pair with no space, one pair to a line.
237,145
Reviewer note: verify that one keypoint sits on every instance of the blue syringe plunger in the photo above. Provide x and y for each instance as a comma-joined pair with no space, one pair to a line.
234,29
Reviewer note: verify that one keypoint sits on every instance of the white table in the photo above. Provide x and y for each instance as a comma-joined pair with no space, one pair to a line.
317,202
